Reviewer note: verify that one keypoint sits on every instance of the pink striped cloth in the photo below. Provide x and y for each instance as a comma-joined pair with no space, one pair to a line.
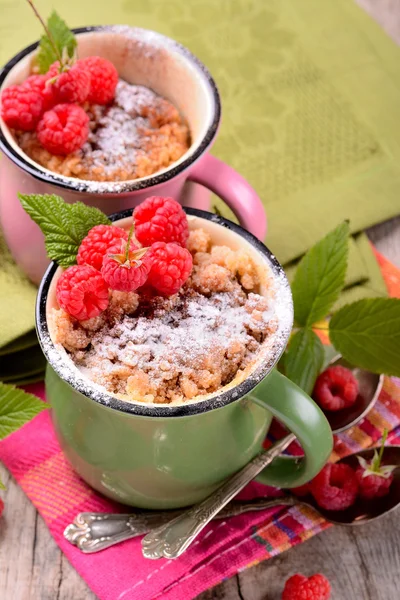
34,458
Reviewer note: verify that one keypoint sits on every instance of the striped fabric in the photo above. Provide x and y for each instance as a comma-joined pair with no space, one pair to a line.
34,458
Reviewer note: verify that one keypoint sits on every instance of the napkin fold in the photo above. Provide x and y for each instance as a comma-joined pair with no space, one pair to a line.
223,549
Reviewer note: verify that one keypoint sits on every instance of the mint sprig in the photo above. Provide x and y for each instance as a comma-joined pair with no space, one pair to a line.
320,276
367,334
64,225
16,408
304,359
57,44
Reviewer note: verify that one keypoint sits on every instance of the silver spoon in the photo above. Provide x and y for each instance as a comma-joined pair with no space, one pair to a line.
93,532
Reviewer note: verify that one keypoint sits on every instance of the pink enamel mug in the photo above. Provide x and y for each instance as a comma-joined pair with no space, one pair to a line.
146,58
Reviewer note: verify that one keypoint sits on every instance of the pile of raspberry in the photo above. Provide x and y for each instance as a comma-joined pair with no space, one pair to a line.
157,263
337,486
51,104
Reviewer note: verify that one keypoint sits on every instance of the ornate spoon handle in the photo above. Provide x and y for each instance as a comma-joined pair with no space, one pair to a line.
172,539
93,532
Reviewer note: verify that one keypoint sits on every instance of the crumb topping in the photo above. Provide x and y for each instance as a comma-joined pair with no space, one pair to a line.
163,350
138,134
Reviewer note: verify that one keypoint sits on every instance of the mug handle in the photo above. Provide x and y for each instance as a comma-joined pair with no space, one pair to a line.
295,409
233,189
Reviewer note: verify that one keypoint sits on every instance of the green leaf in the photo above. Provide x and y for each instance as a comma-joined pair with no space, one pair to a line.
367,334
16,408
64,225
62,37
2,486
320,276
304,358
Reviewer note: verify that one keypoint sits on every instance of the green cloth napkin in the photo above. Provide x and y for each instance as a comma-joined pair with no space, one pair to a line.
17,302
21,360
310,94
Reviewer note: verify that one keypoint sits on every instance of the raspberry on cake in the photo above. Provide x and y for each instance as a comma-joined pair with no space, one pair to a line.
170,267
125,267
21,107
41,84
160,219
95,245
103,79
63,129
82,292
72,85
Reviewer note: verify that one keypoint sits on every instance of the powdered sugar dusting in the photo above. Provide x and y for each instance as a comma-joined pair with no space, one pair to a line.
117,138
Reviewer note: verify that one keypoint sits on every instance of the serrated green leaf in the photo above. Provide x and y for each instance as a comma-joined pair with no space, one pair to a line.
320,276
63,38
16,408
64,225
367,334
304,358
2,486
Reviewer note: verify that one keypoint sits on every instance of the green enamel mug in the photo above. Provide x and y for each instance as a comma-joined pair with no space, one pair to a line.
161,456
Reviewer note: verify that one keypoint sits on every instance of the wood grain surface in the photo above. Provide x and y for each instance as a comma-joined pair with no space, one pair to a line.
362,563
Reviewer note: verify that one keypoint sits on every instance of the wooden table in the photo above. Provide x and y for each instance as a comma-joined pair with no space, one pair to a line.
362,564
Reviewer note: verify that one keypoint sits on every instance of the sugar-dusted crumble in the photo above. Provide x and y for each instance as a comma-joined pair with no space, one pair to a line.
164,350
139,134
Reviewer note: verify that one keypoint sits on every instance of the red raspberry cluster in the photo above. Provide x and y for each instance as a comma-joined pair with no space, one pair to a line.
108,259
50,103
337,486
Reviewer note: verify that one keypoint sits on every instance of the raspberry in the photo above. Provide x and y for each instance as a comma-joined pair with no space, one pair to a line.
124,270
373,485
39,84
21,108
160,220
72,86
82,292
335,487
374,478
103,79
1,507
53,71
336,388
171,265
95,245
298,587
63,129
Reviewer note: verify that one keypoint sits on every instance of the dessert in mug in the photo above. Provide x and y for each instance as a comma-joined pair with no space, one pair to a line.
164,314
81,120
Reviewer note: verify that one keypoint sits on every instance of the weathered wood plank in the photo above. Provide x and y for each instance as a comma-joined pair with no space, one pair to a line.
362,564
